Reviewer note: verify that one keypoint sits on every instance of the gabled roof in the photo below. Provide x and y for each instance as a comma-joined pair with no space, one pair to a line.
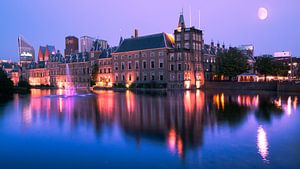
160,40
51,49
43,50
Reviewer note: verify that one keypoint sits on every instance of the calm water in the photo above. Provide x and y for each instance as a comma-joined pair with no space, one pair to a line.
172,130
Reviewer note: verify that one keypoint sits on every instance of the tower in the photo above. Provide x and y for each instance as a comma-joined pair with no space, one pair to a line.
188,48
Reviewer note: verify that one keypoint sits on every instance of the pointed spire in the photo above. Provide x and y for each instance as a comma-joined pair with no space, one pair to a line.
181,23
121,40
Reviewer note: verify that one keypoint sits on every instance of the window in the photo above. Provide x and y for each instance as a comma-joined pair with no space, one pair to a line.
145,77
123,77
161,77
100,71
129,65
187,45
137,77
144,64
104,70
172,56
186,36
172,67
136,64
152,77
116,66
116,77
179,57
109,70
161,63
122,66
129,77
152,64
161,53
179,67
152,54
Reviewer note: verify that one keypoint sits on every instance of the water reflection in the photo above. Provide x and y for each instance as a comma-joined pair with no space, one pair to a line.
176,119
262,143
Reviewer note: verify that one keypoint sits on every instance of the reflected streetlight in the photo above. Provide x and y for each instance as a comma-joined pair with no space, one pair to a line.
262,143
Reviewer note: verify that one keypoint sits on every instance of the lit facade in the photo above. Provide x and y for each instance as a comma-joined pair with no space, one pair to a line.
26,52
86,43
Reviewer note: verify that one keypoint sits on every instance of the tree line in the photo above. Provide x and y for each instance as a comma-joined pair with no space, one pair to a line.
233,62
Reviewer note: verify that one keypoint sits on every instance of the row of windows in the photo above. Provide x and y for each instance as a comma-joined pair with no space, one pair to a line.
195,37
108,70
137,66
72,71
179,67
79,79
152,77
151,54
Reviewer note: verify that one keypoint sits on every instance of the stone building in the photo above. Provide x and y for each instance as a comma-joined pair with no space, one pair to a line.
142,60
71,72
185,60
159,60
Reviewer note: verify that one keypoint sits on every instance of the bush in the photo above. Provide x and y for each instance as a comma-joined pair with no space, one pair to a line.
6,85
24,84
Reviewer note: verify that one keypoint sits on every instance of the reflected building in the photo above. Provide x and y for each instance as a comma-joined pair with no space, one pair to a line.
177,119
26,52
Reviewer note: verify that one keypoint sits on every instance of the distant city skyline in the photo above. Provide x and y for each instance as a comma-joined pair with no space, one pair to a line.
233,22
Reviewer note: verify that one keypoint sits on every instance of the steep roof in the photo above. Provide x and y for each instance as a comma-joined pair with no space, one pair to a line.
51,49
43,50
160,40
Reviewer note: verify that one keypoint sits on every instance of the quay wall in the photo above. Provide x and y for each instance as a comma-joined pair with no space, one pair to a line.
263,86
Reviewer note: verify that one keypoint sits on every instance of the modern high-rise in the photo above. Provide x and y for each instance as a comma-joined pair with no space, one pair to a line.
86,43
71,45
99,45
45,52
26,52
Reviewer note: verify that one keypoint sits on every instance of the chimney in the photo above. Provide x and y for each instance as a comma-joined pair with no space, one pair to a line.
136,33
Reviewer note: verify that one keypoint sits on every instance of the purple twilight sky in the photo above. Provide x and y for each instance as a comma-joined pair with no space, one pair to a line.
234,22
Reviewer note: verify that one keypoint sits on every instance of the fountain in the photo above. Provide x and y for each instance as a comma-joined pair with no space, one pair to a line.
69,87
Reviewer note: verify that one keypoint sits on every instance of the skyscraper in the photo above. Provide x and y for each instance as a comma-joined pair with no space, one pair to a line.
86,43
71,45
26,52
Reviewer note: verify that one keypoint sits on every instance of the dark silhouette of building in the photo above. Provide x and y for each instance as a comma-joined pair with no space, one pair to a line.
71,45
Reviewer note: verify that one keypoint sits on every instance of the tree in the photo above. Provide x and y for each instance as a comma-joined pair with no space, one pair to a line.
95,70
231,63
281,68
265,66
6,85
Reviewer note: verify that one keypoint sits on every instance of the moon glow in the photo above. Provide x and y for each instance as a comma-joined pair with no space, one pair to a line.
262,13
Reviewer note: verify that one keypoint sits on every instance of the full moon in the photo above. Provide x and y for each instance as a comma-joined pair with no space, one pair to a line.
262,13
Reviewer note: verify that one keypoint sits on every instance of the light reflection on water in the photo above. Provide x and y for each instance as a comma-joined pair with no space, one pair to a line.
179,123
262,143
